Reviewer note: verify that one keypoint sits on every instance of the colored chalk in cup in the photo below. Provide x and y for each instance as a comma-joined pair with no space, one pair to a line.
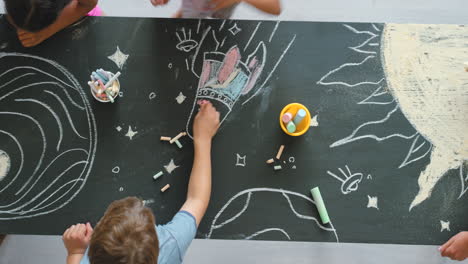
299,116
320,205
287,117
291,127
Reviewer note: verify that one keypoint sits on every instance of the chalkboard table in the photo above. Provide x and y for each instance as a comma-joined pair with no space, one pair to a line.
372,148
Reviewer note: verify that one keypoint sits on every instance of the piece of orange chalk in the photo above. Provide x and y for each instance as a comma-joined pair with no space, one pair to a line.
270,161
280,151
165,139
165,187
181,134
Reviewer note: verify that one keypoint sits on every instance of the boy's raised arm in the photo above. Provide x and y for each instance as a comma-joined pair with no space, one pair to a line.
199,190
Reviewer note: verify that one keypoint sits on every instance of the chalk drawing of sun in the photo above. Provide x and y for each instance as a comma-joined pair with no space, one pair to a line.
423,78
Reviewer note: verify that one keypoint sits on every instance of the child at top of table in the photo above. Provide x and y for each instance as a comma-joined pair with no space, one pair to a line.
127,232
38,20
219,8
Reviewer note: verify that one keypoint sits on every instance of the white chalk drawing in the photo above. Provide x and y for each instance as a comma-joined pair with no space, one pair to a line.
119,58
314,121
5,164
222,25
266,230
118,128
187,65
147,202
186,44
180,98
4,45
121,94
215,40
247,195
431,90
372,202
198,26
379,97
130,134
116,169
293,167
171,166
58,97
121,189
291,159
444,225
152,95
419,149
235,29
240,160
369,177
464,180
252,35
169,65
274,30
349,182
222,42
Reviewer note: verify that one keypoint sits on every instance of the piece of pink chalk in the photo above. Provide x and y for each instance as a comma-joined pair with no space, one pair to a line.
287,117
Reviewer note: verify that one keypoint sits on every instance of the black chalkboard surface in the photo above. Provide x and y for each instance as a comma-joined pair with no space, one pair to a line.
66,156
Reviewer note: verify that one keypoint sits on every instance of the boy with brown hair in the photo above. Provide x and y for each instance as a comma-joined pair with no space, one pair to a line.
127,232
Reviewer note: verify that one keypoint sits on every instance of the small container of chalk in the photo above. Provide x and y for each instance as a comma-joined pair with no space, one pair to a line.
294,119
104,85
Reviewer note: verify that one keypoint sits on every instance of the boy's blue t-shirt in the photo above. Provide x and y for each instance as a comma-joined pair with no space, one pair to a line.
174,238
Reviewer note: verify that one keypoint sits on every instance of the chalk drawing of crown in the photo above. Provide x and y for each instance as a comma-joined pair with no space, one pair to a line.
225,78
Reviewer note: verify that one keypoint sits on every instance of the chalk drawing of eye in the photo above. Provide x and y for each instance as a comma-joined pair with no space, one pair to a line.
420,81
186,44
48,136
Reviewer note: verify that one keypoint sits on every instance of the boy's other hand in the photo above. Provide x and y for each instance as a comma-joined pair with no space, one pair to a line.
457,247
77,237
206,122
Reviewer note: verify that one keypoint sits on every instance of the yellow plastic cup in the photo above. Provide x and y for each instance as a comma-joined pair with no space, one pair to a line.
303,126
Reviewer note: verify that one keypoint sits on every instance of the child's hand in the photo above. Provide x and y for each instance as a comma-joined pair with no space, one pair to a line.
30,39
206,122
159,2
220,4
77,237
456,248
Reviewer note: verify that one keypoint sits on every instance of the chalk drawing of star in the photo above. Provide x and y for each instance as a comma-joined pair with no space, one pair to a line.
235,29
171,166
180,98
119,58
130,134
444,225
372,203
240,160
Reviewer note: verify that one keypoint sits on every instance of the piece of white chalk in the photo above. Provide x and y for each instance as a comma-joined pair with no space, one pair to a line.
163,189
270,161
93,87
165,139
109,95
157,175
277,167
111,81
280,151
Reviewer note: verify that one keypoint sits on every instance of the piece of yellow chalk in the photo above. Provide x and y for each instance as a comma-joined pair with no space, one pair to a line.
270,161
280,151
165,187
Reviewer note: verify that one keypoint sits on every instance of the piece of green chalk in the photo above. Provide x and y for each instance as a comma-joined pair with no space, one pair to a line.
291,127
320,205
277,167
178,143
157,175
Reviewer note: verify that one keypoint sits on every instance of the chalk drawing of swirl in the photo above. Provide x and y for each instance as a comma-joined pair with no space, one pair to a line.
48,136
286,216
423,79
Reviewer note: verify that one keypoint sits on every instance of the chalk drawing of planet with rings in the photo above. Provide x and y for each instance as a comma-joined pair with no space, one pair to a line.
48,136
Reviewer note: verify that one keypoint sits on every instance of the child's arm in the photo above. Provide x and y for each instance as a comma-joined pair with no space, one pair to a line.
76,240
456,248
199,190
75,10
269,6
